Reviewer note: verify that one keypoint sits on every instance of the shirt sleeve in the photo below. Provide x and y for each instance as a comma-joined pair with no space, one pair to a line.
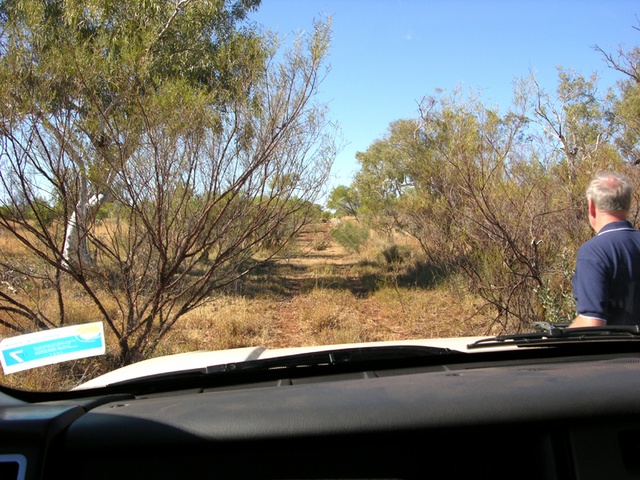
591,289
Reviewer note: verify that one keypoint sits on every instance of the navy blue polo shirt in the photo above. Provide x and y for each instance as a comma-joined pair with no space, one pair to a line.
606,284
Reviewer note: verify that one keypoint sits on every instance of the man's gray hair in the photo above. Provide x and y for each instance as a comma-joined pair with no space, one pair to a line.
610,192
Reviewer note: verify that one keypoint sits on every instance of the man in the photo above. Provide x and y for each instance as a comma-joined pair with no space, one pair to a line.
606,284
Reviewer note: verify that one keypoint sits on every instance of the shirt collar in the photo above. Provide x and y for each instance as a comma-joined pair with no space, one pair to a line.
622,225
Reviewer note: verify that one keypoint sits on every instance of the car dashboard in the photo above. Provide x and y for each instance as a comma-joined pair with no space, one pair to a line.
502,415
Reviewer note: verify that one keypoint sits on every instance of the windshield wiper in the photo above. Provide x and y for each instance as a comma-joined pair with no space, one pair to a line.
319,362
553,335
547,326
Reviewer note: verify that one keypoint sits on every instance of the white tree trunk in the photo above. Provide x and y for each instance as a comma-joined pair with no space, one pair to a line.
75,252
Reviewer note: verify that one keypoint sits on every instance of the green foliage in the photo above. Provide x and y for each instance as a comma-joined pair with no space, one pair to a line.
351,235
386,175
497,198
555,295
394,254
627,106
177,125
42,212
35,210
344,201
326,216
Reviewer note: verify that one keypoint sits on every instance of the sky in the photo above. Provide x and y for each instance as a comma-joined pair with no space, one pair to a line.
386,55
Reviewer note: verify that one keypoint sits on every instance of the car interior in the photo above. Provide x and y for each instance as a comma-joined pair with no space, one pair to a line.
553,413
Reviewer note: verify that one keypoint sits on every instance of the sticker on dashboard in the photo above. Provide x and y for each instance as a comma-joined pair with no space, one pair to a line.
51,346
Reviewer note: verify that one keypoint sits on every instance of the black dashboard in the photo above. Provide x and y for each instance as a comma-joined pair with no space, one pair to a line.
574,417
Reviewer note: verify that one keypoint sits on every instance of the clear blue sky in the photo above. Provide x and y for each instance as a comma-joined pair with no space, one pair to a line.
388,54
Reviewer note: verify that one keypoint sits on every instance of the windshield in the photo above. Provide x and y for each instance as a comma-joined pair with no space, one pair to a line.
298,174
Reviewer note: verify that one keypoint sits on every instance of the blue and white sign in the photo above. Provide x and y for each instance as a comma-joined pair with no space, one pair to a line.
51,346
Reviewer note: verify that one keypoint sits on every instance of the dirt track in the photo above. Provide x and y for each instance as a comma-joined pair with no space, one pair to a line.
329,277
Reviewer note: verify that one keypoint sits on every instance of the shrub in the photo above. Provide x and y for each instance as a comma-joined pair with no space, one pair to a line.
351,236
321,245
394,254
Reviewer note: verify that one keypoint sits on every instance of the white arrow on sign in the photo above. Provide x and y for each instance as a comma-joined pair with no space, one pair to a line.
15,355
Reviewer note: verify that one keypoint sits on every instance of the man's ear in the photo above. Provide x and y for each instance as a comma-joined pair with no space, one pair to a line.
592,209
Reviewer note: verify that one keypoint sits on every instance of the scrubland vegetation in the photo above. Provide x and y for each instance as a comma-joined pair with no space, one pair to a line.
496,198
161,170
321,293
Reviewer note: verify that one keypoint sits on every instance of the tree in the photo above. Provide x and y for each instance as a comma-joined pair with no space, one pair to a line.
384,172
485,201
386,176
76,73
579,122
344,201
627,108
203,144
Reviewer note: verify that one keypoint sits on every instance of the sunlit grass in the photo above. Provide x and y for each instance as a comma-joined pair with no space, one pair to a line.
323,297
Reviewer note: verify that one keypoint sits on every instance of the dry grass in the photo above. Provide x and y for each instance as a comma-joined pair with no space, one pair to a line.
10,247
329,296
316,297
324,316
